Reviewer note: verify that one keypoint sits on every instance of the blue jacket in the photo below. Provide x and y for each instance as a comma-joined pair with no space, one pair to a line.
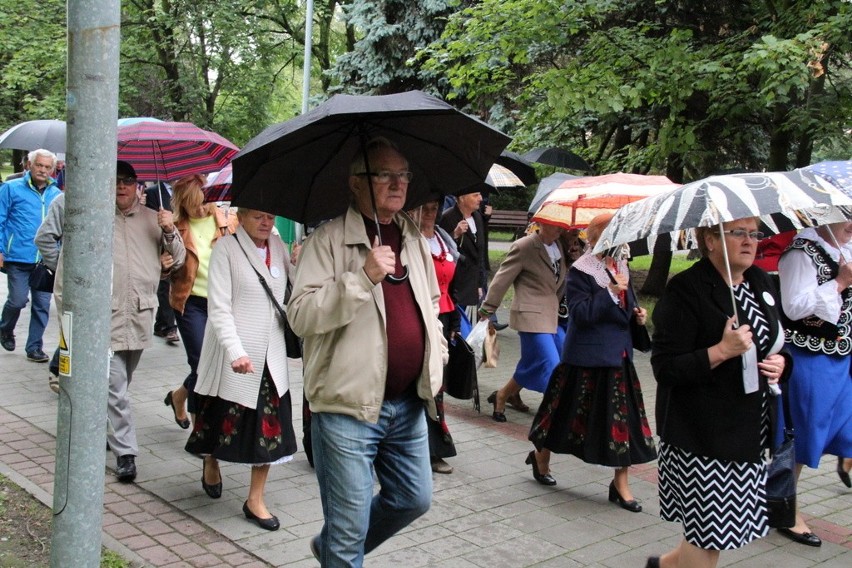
22,209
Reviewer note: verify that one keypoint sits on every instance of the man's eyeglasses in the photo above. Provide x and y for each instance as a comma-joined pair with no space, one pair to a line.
742,234
125,181
385,176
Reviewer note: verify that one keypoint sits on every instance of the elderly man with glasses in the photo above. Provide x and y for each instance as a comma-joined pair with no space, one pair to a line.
23,206
139,236
373,358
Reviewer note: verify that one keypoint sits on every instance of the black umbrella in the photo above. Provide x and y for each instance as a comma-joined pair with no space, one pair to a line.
299,168
35,135
519,166
559,158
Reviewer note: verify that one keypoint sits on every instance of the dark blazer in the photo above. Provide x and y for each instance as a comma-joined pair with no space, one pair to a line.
706,411
470,271
598,332
152,198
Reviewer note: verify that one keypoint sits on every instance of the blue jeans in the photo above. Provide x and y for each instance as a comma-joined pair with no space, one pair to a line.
18,279
345,452
191,324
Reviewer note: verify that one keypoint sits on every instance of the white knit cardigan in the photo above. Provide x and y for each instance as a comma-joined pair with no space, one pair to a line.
241,320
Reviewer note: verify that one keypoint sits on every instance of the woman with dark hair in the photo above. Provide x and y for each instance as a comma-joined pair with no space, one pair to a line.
713,409
593,406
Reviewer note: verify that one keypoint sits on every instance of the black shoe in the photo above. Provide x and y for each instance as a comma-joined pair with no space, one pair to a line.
497,416
545,479
8,341
842,473
614,496
270,524
808,538
213,490
38,356
160,332
168,402
125,469
500,326
653,562
315,550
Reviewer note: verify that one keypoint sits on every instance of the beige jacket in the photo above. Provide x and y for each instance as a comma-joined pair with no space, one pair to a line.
535,306
341,316
241,320
137,240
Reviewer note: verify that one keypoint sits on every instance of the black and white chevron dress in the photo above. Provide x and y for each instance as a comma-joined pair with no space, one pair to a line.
721,504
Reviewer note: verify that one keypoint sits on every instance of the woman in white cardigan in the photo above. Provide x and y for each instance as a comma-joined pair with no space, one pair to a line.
245,408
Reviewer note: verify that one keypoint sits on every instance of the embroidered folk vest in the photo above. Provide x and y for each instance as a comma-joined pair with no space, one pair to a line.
811,332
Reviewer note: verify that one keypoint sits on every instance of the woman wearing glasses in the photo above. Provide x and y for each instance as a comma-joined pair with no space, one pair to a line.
713,413
816,275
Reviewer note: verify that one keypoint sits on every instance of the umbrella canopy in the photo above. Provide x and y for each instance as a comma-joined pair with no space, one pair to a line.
500,177
218,186
172,150
299,168
782,200
557,157
545,187
838,173
519,166
34,135
581,198
134,119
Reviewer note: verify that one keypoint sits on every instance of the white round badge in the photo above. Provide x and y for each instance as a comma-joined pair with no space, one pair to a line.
769,299
275,271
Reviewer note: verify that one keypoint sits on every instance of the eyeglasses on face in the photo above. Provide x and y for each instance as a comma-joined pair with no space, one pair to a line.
742,234
385,176
125,181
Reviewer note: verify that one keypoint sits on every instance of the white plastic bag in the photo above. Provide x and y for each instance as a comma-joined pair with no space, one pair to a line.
476,340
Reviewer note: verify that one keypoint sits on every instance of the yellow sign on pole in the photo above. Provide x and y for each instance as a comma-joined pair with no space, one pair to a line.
65,335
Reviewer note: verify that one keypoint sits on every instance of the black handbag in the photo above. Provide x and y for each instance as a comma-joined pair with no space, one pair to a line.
42,278
781,477
460,372
292,342
638,333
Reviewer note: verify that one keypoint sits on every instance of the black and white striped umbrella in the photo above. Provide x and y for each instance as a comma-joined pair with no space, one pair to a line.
782,200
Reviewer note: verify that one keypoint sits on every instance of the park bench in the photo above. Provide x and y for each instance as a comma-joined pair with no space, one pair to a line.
514,221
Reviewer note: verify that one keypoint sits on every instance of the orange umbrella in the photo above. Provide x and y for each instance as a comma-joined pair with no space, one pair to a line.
576,201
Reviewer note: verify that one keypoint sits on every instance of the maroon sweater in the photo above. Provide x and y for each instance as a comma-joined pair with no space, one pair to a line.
404,326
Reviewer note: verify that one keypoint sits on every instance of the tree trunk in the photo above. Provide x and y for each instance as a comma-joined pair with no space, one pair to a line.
658,273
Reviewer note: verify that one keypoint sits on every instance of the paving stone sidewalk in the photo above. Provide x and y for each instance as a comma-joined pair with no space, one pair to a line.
488,513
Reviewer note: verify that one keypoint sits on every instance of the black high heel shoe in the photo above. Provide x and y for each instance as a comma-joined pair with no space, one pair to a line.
169,402
842,473
545,479
497,416
653,562
213,490
270,524
614,496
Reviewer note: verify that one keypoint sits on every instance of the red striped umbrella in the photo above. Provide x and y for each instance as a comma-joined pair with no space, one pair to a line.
172,150
218,186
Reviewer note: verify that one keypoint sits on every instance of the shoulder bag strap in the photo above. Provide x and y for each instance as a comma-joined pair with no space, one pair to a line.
263,283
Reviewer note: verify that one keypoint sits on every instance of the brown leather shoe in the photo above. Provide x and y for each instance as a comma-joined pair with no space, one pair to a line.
515,402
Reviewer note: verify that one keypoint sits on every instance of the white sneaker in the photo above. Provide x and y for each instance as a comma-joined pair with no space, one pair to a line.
53,382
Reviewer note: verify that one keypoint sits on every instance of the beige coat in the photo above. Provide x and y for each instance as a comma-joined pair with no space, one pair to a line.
241,320
535,306
137,240
340,314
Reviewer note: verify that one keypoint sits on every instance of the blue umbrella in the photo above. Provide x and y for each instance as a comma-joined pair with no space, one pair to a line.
837,172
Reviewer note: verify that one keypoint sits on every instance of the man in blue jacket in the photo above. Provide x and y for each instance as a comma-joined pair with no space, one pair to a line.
23,206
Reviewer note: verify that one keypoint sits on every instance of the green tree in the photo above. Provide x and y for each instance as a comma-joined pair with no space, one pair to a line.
384,36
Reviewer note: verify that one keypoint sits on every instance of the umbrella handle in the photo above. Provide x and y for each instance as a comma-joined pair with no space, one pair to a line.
395,280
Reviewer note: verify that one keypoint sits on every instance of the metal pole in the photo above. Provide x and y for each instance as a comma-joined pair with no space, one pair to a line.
92,112
298,228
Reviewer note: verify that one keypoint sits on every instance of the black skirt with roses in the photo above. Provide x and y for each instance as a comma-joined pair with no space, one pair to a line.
235,433
596,414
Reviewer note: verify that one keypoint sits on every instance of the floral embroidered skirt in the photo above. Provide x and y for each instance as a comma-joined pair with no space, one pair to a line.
596,414
234,433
